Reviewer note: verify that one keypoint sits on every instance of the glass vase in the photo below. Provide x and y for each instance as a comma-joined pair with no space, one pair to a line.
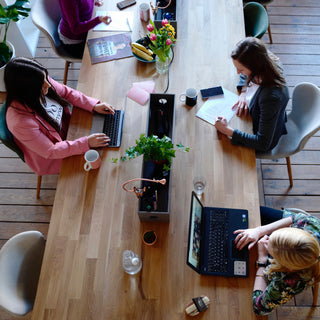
163,66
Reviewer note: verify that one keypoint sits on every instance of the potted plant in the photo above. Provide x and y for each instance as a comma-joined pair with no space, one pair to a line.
149,237
14,12
159,150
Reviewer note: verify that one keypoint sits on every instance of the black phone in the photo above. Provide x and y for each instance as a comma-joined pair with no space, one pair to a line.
126,3
210,92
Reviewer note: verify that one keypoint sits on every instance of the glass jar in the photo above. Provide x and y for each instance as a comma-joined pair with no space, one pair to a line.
163,66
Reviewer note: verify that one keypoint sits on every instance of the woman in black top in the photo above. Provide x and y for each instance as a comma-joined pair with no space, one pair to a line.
264,95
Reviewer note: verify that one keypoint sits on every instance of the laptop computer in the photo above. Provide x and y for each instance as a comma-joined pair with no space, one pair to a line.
211,247
111,125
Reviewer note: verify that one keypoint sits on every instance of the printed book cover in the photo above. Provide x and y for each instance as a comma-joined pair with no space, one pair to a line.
109,48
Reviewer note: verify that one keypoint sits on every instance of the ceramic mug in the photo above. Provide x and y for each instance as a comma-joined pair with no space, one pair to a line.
93,160
144,12
190,97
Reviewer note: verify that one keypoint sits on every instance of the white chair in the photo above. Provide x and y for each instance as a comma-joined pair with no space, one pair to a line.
303,122
20,264
46,15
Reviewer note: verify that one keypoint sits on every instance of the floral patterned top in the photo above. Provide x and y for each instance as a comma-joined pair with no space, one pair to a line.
283,286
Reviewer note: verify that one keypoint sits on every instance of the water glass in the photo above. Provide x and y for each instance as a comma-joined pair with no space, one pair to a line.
198,184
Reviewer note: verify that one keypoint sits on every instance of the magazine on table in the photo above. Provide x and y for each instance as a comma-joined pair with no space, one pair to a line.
109,48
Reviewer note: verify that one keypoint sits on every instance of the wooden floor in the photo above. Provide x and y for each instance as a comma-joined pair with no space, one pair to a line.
295,27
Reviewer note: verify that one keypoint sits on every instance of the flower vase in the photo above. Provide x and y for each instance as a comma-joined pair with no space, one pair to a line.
163,66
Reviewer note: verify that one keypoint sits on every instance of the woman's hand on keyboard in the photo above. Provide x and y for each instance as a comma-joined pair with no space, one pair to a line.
247,236
97,140
103,108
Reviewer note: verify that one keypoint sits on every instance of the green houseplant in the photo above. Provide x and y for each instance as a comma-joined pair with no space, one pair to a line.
159,150
14,12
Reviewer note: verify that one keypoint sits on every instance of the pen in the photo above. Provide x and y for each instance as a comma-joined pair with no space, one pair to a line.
154,202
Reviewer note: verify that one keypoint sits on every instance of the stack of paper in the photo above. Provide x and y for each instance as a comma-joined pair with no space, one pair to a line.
121,21
218,106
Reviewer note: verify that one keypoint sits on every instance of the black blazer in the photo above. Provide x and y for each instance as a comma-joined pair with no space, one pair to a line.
267,110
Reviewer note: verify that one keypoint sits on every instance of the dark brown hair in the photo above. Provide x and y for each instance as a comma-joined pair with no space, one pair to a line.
24,79
252,53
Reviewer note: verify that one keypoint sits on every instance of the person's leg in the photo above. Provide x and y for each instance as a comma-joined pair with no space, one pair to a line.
76,50
269,215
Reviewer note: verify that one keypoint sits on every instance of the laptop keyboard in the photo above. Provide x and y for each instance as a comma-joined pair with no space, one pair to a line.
218,240
113,127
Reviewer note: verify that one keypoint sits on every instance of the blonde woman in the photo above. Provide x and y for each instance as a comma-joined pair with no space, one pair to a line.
288,257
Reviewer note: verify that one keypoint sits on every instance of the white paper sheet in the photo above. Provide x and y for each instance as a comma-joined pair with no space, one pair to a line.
121,21
218,106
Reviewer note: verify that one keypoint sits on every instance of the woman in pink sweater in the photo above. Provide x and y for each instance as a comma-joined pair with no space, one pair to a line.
38,115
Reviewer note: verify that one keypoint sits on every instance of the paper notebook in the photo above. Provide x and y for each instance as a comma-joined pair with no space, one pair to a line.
218,106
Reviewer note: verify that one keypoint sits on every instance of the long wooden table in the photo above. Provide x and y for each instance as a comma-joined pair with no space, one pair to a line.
94,220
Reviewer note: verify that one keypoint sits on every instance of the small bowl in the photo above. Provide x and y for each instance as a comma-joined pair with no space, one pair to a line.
142,60
144,42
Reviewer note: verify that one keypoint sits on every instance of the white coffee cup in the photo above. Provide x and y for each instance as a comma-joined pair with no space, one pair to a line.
144,11
190,97
93,160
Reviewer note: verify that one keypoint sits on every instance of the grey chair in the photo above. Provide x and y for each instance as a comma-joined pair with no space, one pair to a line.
46,15
256,20
264,3
7,139
20,265
303,122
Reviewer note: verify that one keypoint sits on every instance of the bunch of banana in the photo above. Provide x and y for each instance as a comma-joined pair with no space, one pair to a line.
141,51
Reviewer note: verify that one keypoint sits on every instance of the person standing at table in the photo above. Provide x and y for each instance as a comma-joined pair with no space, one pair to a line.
38,114
288,256
264,95
75,23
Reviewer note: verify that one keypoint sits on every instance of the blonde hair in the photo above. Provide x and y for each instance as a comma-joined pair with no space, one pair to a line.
294,250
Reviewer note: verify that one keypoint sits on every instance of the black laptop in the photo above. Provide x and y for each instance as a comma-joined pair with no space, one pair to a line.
211,247
111,125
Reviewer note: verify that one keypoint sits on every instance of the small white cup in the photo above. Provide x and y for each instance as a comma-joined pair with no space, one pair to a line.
93,160
144,11
190,97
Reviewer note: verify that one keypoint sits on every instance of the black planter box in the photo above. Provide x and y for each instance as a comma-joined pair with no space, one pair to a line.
155,203
169,13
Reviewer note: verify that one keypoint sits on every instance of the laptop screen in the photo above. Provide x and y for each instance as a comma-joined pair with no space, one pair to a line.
193,258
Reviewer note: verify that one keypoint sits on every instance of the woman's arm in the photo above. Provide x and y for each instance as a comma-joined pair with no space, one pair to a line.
281,289
74,97
252,235
71,15
267,118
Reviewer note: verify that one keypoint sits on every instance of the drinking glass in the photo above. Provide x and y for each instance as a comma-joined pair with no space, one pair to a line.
199,183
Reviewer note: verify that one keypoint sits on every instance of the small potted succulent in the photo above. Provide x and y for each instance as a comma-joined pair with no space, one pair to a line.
149,237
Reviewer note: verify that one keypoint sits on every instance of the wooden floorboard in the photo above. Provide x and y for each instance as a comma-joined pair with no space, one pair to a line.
295,27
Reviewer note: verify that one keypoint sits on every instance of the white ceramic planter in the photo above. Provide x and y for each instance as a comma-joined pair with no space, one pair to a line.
2,86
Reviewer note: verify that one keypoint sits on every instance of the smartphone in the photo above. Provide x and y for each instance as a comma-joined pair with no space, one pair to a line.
210,92
126,3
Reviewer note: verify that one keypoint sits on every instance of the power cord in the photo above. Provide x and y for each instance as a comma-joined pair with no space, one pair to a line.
168,82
